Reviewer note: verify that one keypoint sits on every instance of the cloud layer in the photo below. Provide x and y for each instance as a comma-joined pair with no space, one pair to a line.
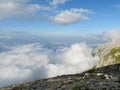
23,58
33,61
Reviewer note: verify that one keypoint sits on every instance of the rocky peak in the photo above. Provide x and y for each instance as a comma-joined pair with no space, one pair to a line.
108,54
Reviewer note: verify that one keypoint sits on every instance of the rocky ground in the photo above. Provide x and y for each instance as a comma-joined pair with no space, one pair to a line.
104,78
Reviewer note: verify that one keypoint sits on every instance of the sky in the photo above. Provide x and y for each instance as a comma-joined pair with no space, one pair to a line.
59,17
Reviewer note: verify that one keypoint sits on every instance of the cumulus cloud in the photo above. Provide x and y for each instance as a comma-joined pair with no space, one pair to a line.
56,2
71,16
33,61
112,35
22,63
18,9
75,59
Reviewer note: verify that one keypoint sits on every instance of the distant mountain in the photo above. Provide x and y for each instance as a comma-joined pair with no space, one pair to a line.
108,54
104,78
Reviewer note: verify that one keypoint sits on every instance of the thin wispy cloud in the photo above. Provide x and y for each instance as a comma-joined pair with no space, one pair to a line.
116,6
56,2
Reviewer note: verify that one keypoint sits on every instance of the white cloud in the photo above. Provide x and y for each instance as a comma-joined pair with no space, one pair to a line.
74,59
71,16
112,35
21,63
18,9
32,61
116,6
56,2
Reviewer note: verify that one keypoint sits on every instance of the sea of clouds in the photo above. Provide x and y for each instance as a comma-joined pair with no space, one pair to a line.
25,57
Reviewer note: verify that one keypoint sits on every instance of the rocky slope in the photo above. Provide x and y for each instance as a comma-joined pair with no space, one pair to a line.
104,78
108,54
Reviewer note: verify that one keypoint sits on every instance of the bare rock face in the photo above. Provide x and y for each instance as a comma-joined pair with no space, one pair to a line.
108,54
104,78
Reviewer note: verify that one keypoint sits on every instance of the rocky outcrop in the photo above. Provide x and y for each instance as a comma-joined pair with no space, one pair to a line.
108,54
104,78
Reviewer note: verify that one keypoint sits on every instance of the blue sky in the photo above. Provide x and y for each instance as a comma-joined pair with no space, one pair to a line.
59,17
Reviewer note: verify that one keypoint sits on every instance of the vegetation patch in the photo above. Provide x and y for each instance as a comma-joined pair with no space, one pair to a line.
113,55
